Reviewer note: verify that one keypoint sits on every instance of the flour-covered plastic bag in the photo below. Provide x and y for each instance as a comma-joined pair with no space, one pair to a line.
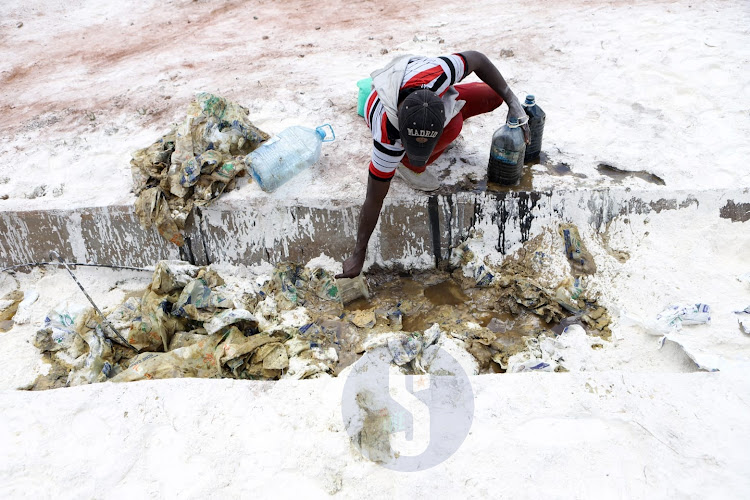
59,332
675,317
744,320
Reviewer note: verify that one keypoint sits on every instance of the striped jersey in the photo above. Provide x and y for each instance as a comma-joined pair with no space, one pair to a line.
434,73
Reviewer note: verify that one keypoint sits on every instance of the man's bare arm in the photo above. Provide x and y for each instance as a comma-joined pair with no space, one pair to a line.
368,218
478,63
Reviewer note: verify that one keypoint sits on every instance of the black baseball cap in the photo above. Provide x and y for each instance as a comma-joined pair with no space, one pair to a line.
420,120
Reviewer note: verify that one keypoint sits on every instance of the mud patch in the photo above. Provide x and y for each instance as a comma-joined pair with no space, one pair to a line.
736,212
619,174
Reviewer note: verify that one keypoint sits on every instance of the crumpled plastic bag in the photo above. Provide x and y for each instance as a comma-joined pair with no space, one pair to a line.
82,349
97,365
540,355
124,314
170,275
199,302
675,317
247,357
312,363
405,349
294,285
152,330
195,360
581,261
744,320
60,330
152,209
231,317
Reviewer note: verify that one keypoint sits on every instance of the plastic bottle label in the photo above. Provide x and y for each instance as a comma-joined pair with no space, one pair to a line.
505,155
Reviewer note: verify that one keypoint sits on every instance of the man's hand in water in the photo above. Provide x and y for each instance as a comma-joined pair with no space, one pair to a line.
352,266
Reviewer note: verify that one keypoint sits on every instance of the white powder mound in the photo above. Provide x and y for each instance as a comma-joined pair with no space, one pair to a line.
326,263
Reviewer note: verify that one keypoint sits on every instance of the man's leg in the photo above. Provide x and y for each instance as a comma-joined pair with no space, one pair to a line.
480,98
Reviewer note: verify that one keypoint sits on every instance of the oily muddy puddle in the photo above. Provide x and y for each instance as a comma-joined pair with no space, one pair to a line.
619,174
526,183
424,299
544,166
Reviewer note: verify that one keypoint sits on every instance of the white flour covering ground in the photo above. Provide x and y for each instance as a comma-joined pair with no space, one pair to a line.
654,86
85,84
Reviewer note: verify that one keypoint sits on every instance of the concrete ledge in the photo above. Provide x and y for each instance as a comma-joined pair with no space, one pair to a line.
414,232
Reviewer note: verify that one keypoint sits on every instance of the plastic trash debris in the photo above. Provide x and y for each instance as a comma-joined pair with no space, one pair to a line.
461,255
404,347
324,285
154,326
193,164
60,330
482,275
581,261
568,294
506,153
231,317
648,326
97,365
364,87
675,317
152,210
407,348
170,275
199,302
532,365
669,343
237,353
196,360
352,289
744,320
287,283
123,315
395,319
313,362
184,339
540,355
569,351
286,154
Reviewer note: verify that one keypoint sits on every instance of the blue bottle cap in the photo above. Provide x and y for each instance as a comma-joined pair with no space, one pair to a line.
530,101
513,121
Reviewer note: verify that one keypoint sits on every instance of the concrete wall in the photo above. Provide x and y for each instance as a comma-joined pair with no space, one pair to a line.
417,231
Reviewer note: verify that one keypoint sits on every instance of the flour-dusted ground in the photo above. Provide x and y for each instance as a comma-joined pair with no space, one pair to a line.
660,87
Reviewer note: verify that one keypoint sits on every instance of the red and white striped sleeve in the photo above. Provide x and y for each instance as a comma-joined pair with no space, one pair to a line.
386,152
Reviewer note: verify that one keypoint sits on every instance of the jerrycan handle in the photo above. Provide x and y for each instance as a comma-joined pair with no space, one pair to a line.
323,132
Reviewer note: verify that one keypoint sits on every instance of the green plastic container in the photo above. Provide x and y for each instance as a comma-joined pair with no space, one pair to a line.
365,87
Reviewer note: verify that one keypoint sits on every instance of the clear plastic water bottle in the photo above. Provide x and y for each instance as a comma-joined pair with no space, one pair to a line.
506,155
287,154
537,118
